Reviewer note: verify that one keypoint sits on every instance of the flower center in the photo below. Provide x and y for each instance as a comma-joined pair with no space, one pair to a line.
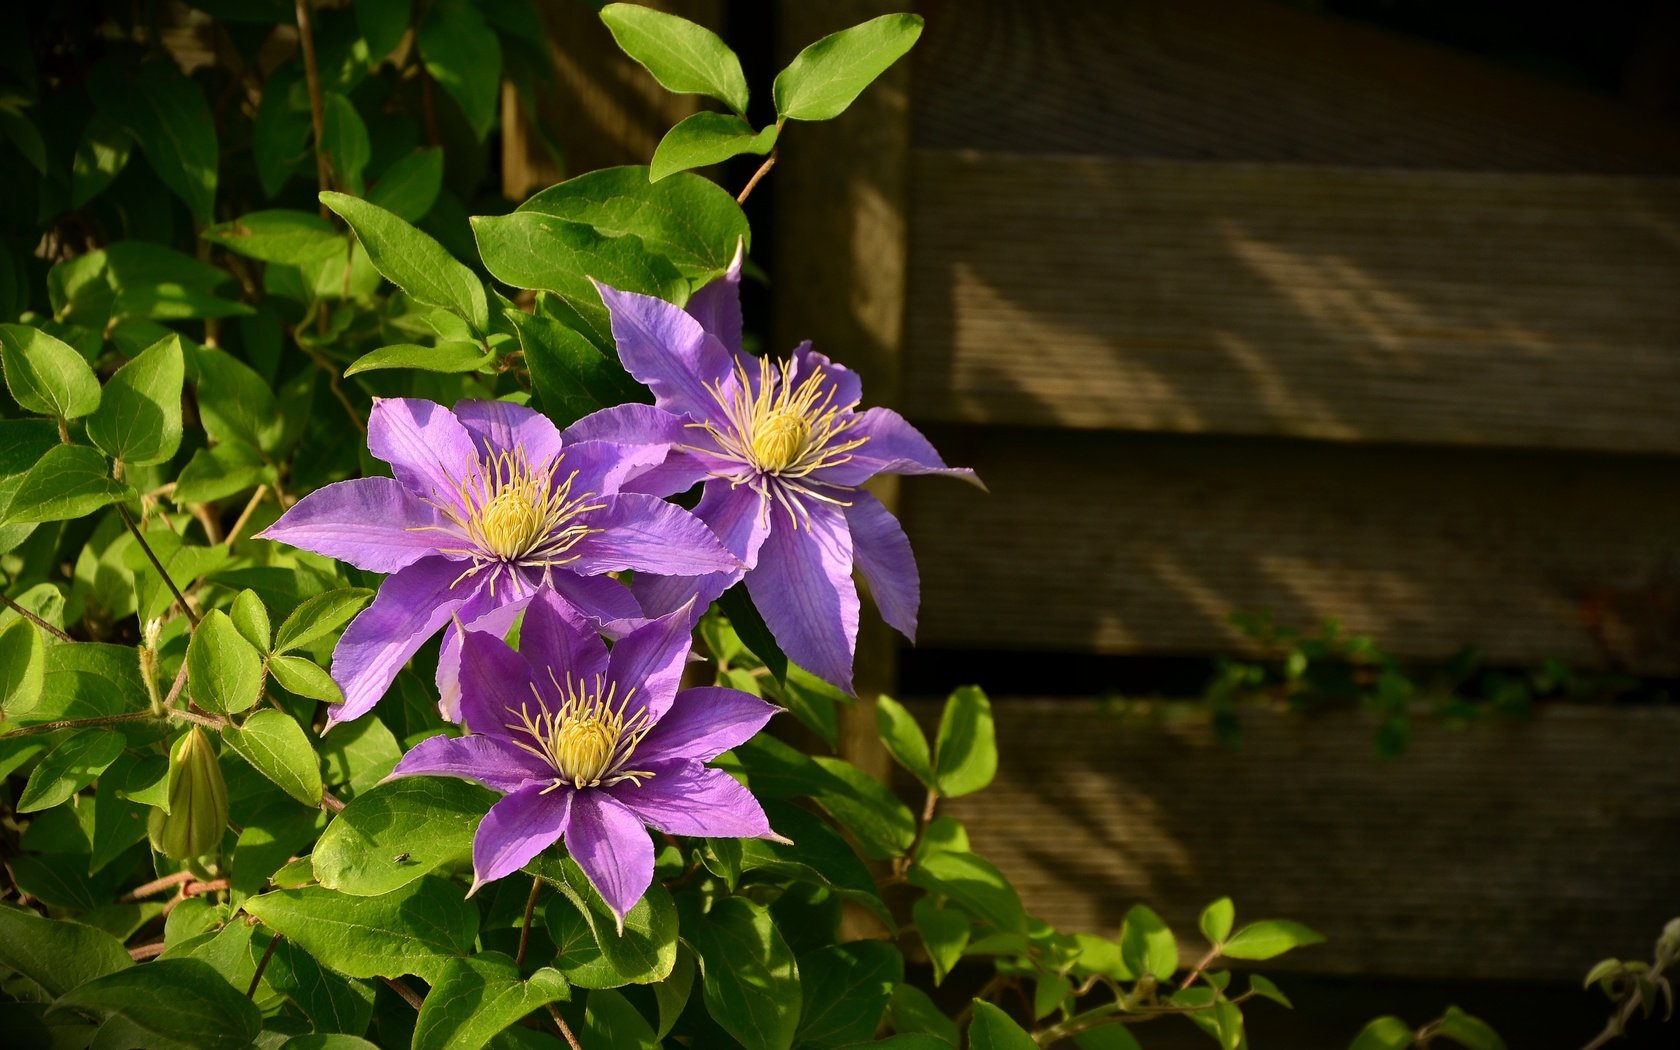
510,524
780,440
587,739
788,427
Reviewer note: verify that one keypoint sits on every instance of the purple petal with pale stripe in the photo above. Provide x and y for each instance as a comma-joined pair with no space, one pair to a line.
717,306
518,828
495,684
485,612
410,607
498,426
739,518
602,599
646,425
666,350
703,723
491,761
803,587
649,535
427,447
894,447
882,553
651,659
847,387
612,847
373,523
555,637
601,467
686,798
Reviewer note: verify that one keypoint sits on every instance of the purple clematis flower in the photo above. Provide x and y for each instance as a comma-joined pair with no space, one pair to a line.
589,746
782,448
487,503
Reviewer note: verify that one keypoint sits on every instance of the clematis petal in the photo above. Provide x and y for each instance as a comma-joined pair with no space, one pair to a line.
488,760
650,661
686,798
739,517
495,684
633,531
497,426
484,612
847,386
717,306
556,637
882,553
612,847
373,523
411,605
703,723
601,467
646,425
602,599
803,587
894,447
518,828
427,447
666,350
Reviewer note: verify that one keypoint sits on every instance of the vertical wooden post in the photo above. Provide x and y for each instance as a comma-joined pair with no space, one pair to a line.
840,212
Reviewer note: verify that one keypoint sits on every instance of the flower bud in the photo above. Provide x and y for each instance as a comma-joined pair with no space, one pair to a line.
198,803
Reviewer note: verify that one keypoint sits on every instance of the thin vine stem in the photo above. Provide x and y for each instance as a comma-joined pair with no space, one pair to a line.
525,930
36,620
565,1029
133,527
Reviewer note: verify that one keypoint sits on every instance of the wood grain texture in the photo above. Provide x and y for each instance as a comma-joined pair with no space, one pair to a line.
1116,543
1516,850
1254,80
1460,308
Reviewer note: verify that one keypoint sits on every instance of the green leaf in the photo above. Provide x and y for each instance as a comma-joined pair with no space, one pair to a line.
332,1003
327,1041
250,615
1108,1037
174,1003
646,950
279,235
683,57
944,931
1216,920
846,990
672,994
235,403
450,357
464,56
1269,938
571,375
819,855
70,767
382,24
692,221
224,671
46,376
69,481
1384,1033
279,133
966,752
413,261
707,138
912,1011
904,739
223,470
277,747
1147,945
24,135
992,1029
1468,1031
410,187
170,117
173,302
416,929
305,678
609,1021
101,155
749,978
139,417
398,831
530,249
972,882
319,617
753,632
478,996
826,77
345,139
23,663
1264,988
883,826
57,954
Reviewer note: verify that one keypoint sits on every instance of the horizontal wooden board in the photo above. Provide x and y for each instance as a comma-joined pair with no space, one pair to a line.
1533,310
1526,850
1127,543
1258,80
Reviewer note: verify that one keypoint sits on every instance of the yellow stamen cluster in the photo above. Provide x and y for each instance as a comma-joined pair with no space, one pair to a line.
512,513
587,739
786,428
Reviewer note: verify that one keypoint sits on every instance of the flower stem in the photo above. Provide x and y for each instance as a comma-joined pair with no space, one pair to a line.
565,1030
763,170
128,519
317,114
245,515
409,995
525,930
262,964
36,620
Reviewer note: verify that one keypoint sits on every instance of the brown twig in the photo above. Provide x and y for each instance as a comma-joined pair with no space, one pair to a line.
525,931
244,518
763,170
156,886
317,114
128,519
193,889
82,723
409,995
331,802
262,964
565,1029
36,620
147,951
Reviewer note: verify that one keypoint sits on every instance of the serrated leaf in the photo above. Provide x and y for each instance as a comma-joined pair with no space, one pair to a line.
413,261
448,357
416,929
965,756
1268,939
277,747
1216,920
46,376
477,997
139,416
826,77
224,671
398,831
70,767
684,57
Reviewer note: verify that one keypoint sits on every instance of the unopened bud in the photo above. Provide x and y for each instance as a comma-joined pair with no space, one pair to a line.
198,803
